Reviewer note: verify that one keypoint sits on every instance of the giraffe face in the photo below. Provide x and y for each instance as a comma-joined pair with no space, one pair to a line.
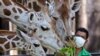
7,2
44,30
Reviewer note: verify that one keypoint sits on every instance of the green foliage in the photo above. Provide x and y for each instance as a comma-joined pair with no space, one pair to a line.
68,51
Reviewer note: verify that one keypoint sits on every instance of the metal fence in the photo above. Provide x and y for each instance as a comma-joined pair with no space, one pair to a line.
92,54
95,54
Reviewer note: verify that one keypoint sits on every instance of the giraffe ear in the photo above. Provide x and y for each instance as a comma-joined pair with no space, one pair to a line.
76,6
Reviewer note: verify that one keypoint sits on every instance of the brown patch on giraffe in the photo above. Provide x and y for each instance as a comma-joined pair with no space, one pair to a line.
36,7
30,5
13,44
16,17
53,24
63,11
42,2
7,12
16,39
14,10
2,40
20,1
1,49
20,5
7,45
10,36
7,2
20,11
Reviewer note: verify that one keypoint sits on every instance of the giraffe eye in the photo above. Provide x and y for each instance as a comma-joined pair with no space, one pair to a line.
31,16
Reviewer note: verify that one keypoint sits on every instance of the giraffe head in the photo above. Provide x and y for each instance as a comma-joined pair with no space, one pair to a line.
29,20
64,11
39,24
44,30
64,7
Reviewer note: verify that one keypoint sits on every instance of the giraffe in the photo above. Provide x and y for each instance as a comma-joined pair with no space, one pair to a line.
31,4
20,16
60,26
10,40
64,10
14,12
60,15
32,9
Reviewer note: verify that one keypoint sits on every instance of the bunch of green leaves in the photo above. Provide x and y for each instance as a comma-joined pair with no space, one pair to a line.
69,49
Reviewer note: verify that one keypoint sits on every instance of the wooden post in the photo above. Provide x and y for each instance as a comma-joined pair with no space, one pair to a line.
83,15
13,52
12,27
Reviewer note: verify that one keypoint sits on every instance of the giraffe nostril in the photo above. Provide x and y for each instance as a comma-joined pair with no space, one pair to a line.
44,28
45,49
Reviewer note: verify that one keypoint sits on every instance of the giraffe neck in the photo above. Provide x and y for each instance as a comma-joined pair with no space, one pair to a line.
10,41
34,5
14,12
11,9
6,42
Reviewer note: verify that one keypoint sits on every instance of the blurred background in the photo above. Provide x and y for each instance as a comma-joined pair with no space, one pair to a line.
89,17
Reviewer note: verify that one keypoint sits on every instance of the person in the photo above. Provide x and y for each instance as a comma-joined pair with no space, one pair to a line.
80,38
